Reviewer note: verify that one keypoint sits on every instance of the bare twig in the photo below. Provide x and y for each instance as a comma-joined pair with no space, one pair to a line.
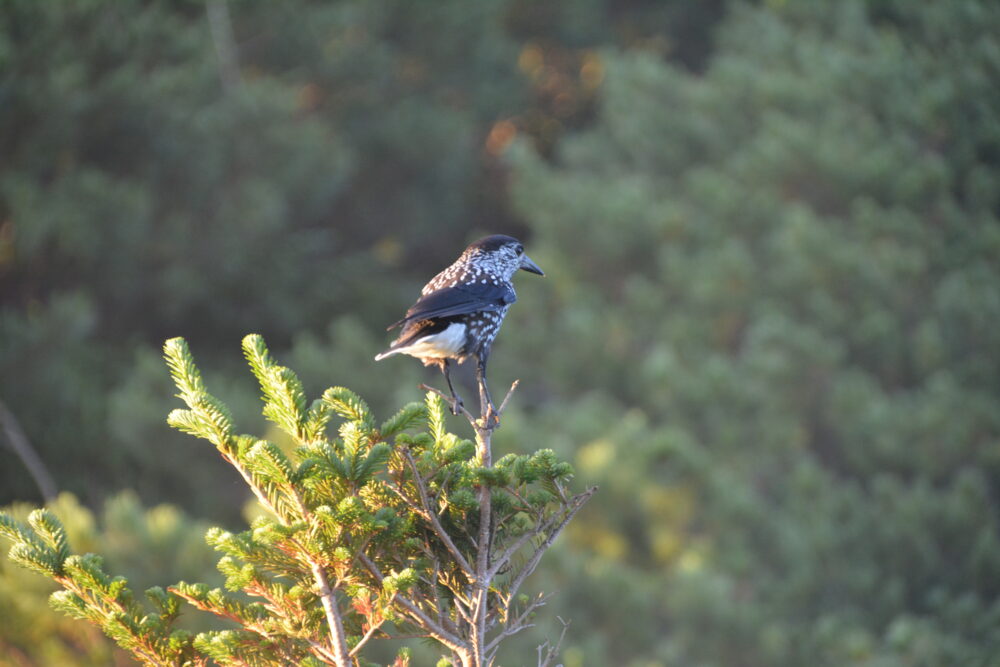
529,567
503,403
432,517
433,584
504,558
574,506
19,442
448,399
517,624
322,651
364,640
552,650
482,424
424,621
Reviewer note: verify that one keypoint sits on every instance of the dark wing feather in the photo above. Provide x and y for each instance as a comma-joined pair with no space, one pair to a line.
459,300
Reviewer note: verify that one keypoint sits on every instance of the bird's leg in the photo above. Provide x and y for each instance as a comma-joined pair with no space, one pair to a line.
486,409
456,402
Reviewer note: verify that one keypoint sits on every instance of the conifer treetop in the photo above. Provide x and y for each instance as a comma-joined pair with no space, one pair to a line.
391,529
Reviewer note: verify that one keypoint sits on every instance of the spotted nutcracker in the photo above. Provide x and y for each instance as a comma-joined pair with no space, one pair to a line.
460,311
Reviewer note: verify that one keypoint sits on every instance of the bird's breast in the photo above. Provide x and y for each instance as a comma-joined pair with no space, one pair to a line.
484,326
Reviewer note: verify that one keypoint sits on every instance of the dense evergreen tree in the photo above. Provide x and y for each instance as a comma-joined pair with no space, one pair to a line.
379,533
768,327
141,196
272,174
784,273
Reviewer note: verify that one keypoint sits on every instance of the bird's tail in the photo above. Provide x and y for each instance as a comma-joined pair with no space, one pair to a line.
388,353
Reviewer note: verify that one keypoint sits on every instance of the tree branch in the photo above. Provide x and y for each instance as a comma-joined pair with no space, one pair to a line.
448,399
575,504
338,639
335,622
553,650
432,517
513,626
336,625
364,640
483,575
510,392
435,630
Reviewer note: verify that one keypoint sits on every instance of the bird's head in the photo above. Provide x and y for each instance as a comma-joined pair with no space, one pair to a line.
500,254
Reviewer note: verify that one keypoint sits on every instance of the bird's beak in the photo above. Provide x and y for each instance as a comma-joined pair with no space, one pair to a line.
528,265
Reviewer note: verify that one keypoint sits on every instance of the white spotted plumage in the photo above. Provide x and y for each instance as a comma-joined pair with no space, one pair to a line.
461,309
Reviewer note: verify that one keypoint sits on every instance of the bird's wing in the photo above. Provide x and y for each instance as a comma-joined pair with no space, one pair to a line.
459,300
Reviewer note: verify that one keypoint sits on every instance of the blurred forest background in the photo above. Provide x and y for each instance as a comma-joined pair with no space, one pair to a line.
770,326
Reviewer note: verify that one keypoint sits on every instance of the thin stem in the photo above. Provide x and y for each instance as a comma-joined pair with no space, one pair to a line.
576,503
515,625
433,584
422,620
29,457
508,553
480,653
431,516
462,409
322,651
553,649
337,637
483,575
364,640
510,392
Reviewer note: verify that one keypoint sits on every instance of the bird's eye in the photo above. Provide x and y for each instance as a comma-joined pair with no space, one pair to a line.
519,249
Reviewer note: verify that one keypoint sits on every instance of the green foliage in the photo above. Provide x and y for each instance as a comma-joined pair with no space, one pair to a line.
767,328
784,395
146,545
208,417
139,197
353,545
406,418
351,407
151,181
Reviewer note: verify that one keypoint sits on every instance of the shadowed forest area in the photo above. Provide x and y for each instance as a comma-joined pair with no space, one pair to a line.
769,328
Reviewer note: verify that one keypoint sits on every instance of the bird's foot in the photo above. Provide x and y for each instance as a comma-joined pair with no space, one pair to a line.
455,403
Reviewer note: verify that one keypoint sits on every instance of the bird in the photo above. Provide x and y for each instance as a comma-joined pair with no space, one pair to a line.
460,310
